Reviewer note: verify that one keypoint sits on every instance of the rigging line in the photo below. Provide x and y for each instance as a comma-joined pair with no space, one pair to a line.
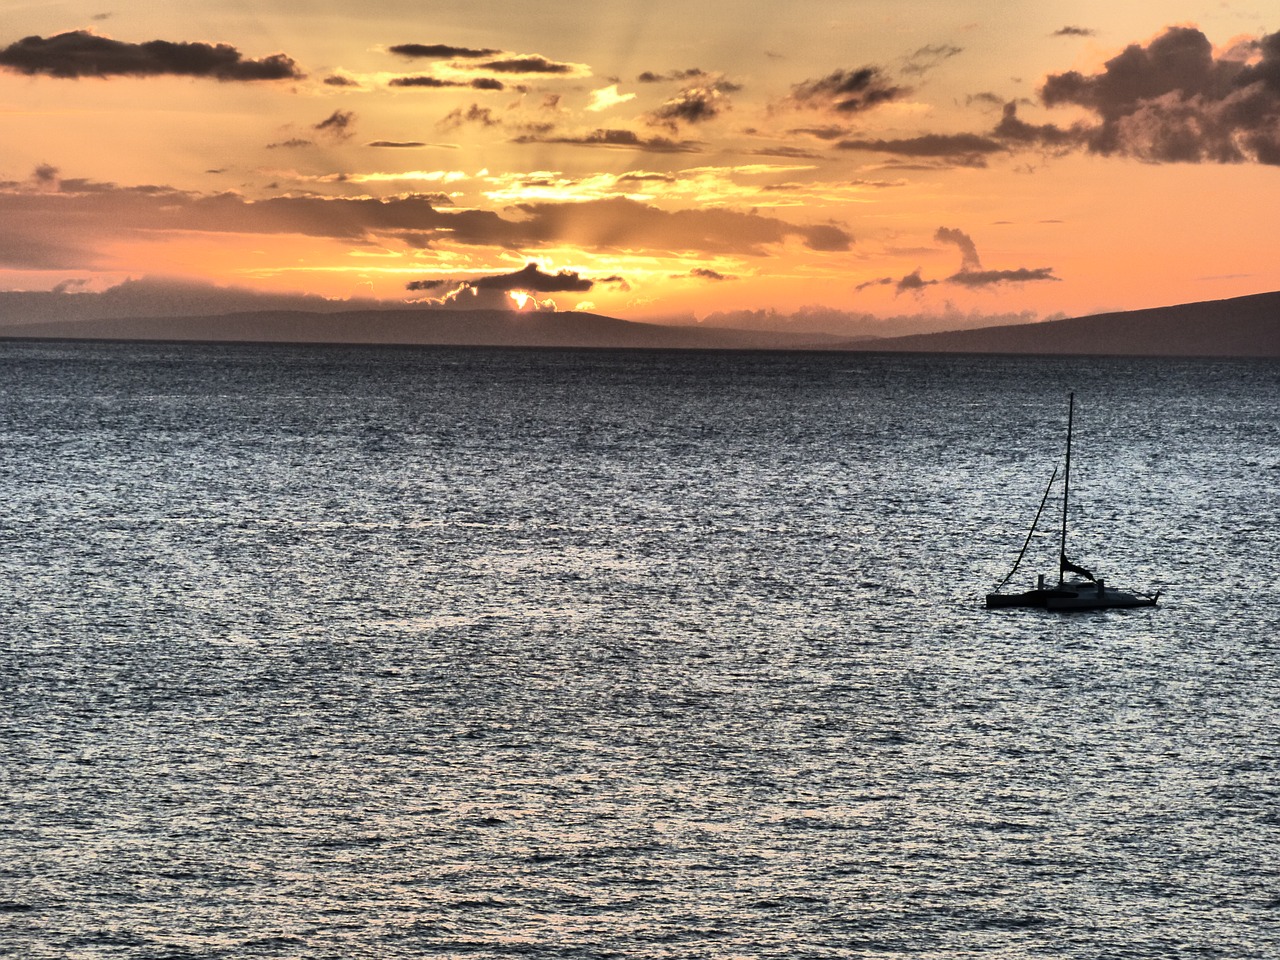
1031,532
1066,488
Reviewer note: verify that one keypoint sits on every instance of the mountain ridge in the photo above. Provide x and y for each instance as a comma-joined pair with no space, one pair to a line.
1246,326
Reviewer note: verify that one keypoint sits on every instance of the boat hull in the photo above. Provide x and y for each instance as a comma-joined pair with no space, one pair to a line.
1074,596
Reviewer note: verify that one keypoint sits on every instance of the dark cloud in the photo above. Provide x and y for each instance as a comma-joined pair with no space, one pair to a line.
986,98
1013,130
491,291
619,139
439,51
969,259
618,223
681,76
822,133
83,54
336,80
473,114
878,282
1074,32
337,124
703,273
790,153
616,281
827,237
965,149
533,64
912,282
533,280
646,178
847,91
1173,101
50,228
986,278
970,273
81,185
293,143
395,143
926,58
692,105
436,83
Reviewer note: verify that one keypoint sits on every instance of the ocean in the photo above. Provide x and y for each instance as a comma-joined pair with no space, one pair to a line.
371,652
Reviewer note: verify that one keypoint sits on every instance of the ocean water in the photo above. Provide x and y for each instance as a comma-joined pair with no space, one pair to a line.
319,652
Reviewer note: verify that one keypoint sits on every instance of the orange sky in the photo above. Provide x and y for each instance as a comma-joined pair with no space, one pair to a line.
836,164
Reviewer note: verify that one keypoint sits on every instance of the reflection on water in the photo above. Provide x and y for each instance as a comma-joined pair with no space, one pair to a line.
479,653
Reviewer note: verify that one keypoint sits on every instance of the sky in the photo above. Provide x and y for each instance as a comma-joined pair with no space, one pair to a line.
865,165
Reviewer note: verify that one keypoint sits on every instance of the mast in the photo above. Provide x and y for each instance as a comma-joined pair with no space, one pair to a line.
1066,485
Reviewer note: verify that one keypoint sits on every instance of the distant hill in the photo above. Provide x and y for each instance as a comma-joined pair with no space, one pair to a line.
419,326
1240,327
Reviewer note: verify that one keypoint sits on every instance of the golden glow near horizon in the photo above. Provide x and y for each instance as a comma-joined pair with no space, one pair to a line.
822,160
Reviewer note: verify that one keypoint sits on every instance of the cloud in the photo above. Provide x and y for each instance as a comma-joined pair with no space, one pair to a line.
473,114
822,133
926,58
969,259
533,280
607,97
504,291
965,149
533,64
617,138
395,143
1013,130
293,143
337,80
83,54
985,278
703,273
790,153
337,124
970,273
846,91
878,282
73,224
912,282
1074,32
1174,101
692,105
439,51
986,97
621,223
646,177
693,73
438,83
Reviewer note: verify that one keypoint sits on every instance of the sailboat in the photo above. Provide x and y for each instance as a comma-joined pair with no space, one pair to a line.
1084,591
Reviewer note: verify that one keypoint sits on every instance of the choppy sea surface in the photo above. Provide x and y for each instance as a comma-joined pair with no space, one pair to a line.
321,652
